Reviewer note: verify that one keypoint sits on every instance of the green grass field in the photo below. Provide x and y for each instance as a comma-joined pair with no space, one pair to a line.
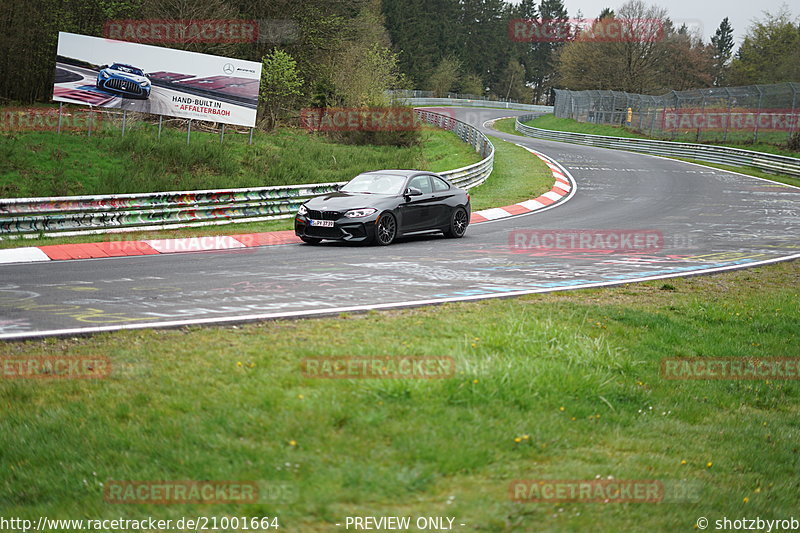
776,146
547,387
48,164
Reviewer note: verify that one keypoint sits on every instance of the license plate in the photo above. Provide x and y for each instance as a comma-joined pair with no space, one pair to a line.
321,223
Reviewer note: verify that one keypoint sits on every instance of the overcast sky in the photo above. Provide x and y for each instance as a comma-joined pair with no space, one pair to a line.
695,13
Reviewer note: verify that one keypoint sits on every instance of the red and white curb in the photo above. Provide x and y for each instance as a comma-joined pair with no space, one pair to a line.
561,191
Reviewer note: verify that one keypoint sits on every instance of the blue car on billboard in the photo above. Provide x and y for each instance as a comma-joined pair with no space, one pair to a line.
124,80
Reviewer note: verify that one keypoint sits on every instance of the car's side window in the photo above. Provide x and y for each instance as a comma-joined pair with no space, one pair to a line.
422,183
439,184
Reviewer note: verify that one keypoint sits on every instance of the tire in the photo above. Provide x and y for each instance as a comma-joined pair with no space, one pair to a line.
458,223
310,240
385,229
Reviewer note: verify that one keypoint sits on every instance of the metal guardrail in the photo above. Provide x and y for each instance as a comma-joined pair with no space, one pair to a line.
421,102
472,175
76,215
703,152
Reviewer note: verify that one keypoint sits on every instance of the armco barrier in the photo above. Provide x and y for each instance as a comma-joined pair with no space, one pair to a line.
425,102
76,215
701,152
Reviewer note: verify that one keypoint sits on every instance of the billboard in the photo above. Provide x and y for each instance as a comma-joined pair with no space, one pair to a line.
152,79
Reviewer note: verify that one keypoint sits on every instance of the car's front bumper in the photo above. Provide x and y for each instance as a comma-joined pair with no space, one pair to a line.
344,229
131,89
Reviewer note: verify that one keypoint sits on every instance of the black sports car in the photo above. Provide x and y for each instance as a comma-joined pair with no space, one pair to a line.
382,205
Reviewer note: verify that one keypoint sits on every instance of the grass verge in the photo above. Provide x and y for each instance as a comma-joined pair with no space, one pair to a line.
507,126
47,164
550,122
557,386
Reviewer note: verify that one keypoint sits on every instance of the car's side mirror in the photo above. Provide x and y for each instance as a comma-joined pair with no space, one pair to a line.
413,191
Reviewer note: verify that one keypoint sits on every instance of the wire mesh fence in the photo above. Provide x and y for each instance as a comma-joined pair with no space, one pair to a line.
753,113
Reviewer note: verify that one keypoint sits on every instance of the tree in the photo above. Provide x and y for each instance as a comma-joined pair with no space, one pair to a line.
769,52
606,13
365,67
542,70
445,76
472,84
638,65
363,74
512,83
281,84
722,43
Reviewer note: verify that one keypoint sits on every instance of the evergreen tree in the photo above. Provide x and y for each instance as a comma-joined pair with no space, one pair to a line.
722,41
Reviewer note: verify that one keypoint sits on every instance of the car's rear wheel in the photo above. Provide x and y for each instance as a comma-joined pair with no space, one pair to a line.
310,240
458,223
386,229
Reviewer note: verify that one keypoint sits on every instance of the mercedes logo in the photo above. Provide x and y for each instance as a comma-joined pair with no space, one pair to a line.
228,68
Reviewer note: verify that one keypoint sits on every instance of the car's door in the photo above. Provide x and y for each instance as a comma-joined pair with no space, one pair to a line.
417,212
442,204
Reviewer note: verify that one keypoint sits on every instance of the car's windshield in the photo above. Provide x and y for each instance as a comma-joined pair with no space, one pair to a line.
376,184
129,70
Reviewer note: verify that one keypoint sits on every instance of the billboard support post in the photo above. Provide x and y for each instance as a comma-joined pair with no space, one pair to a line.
189,132
251,136
60,105
160,119
124,117
89,122
222,133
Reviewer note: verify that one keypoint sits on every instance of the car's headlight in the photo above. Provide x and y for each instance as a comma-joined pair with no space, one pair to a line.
145,83
358,213
302,210
104,74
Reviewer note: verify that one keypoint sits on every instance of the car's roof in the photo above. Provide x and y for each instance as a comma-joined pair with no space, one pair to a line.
399,172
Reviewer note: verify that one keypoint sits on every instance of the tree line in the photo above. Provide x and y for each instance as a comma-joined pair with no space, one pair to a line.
347,52
464,46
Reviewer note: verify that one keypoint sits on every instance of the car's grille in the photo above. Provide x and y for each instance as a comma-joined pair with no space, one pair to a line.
323,215
325,233
130,87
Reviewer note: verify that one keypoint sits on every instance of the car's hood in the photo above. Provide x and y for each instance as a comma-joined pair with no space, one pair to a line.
125,75
342,201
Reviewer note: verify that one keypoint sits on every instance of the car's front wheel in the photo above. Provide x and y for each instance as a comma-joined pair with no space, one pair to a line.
458,223
385,229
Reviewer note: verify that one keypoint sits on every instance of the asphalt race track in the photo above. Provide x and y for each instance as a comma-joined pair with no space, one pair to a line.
710,220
